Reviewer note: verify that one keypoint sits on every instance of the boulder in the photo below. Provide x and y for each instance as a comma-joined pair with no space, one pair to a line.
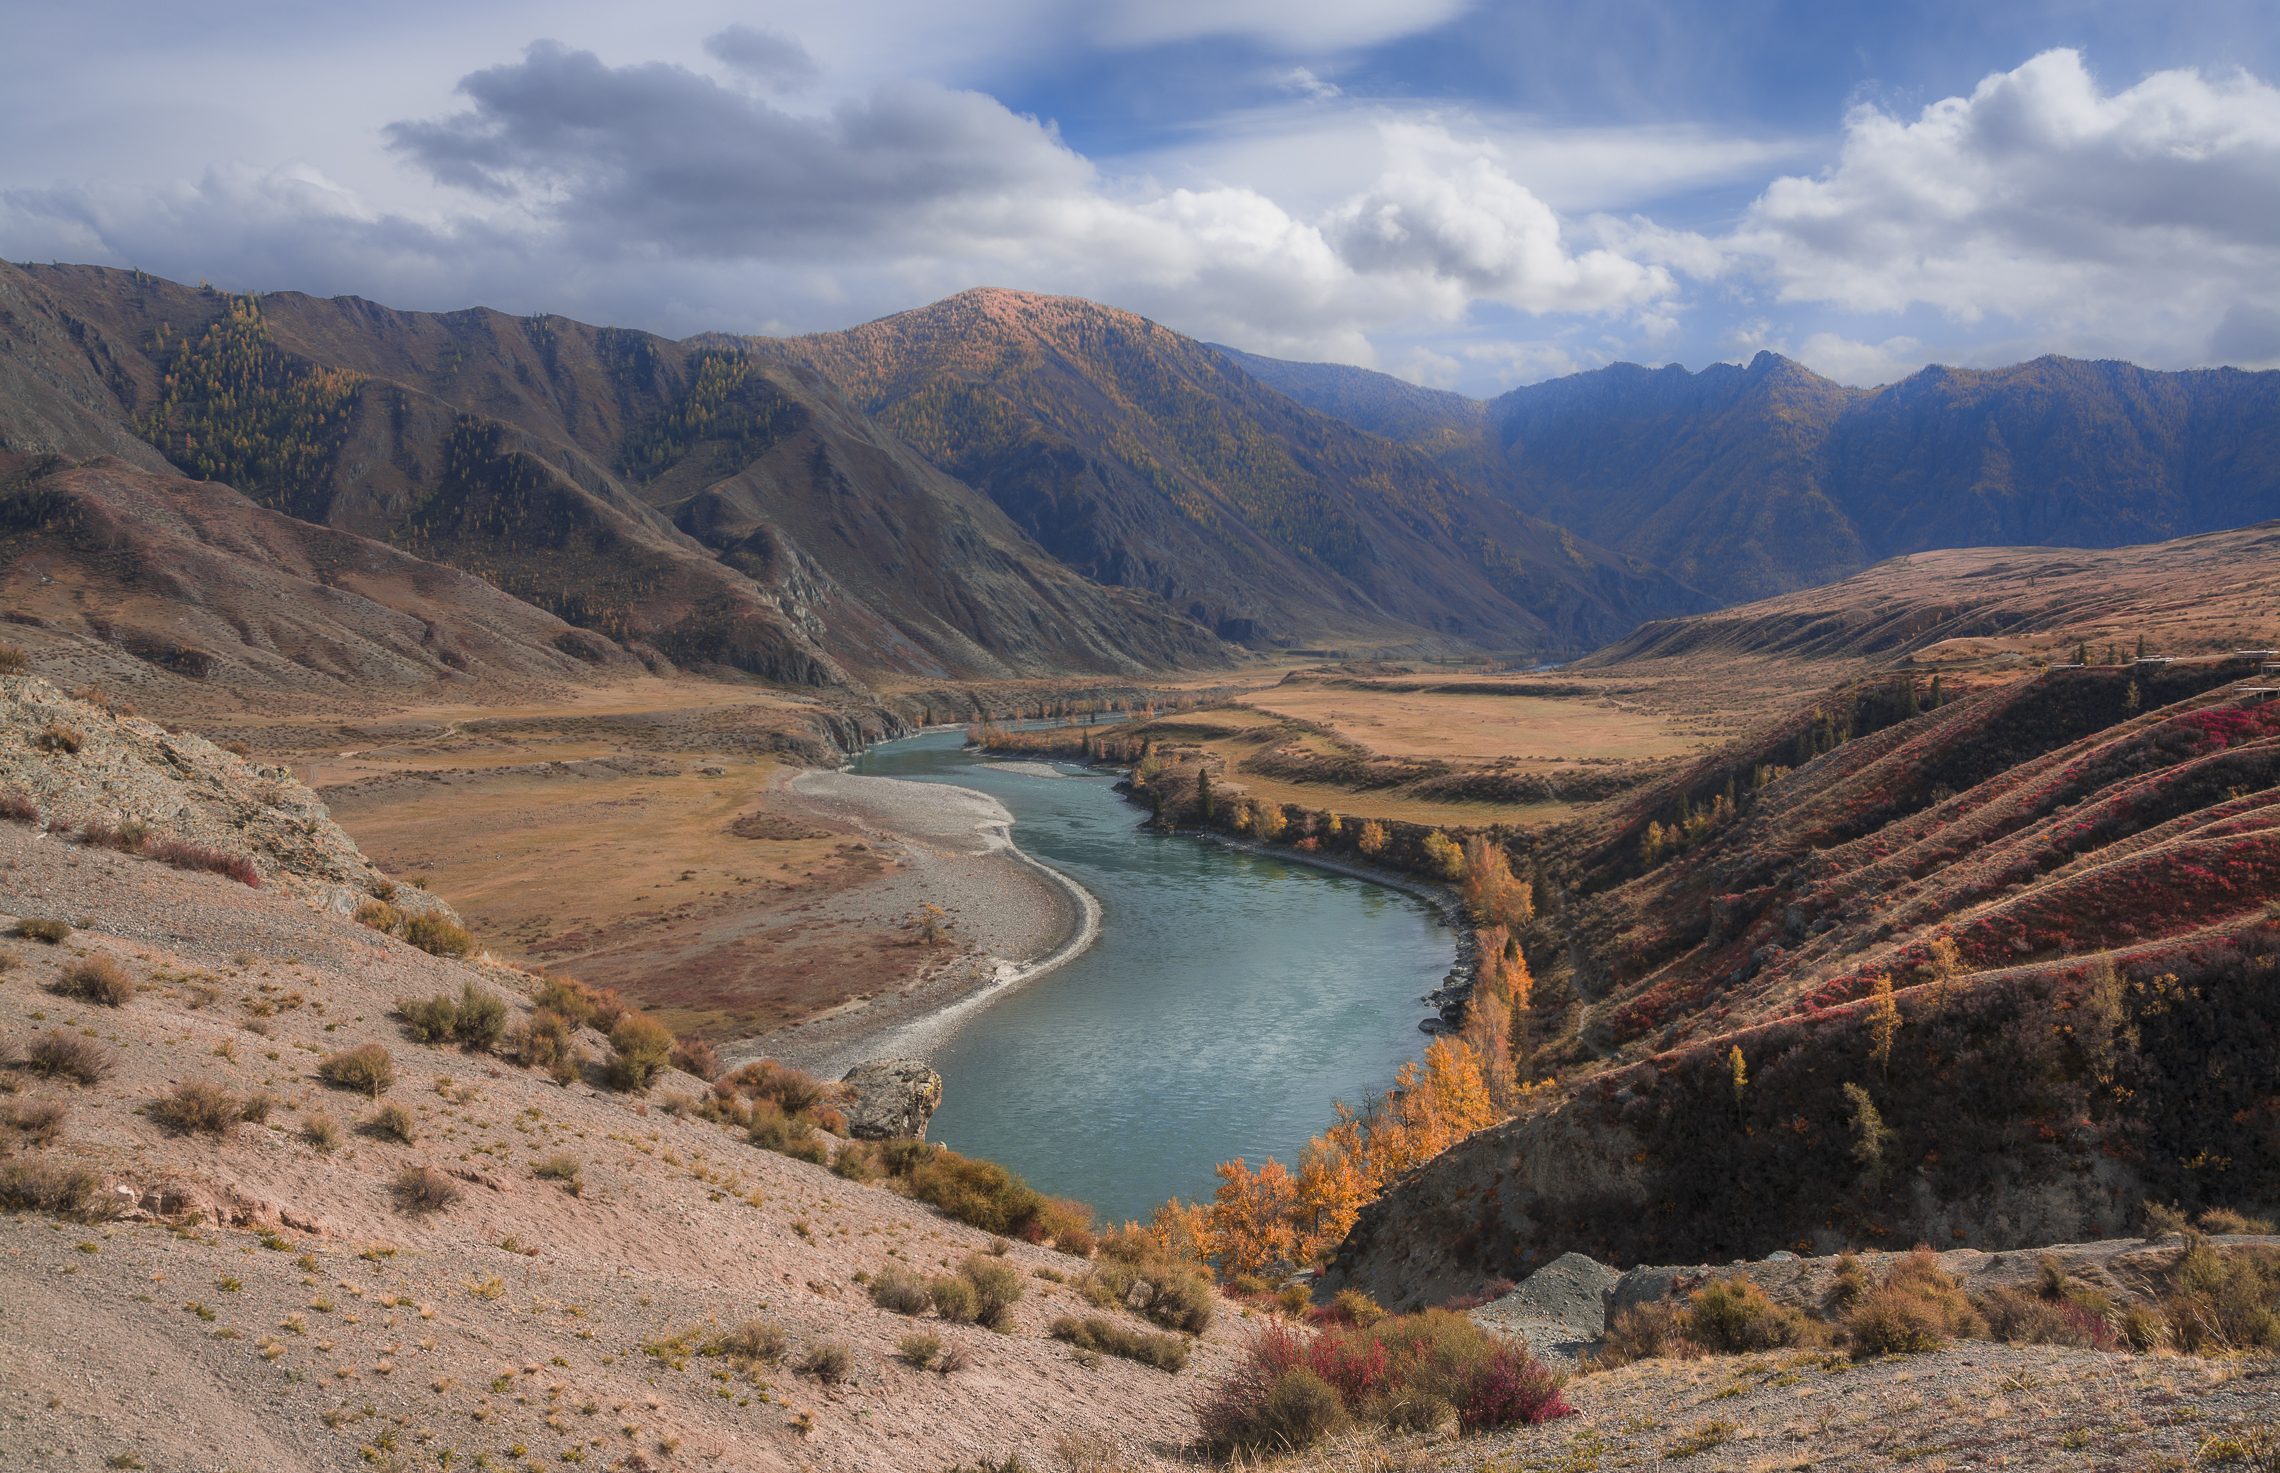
890,1098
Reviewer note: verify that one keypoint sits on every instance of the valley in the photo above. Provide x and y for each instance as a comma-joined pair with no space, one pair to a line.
1853,811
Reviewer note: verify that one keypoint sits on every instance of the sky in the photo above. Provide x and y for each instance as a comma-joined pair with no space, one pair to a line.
1470,195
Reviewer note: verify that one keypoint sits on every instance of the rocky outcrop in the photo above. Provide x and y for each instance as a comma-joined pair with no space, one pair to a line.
890,1099
86,766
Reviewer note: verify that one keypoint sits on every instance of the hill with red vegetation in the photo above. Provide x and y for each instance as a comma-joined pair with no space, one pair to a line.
2032,930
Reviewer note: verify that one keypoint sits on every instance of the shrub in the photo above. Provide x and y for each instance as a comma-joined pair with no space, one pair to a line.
1272,1403
254,1108
981,1193
380,916
547,1042
37,1121
1917,1307
197,1105
1067,1225
1164,1352
16,806
1511,1387
919,1350
857,1161
438,934
1644,1332
693,1054
1353,1307
394,1122
41,928
430,1020
555,1166
755,1342
97,979
70,1056
48,1186
2223,1221
1131,1274
182,854
901,1291
60,738
829,1361
481,1021
2161,1221
13,661
320,1132
1734,1316
423,1188
790,1090
997,1287
2223,1300
367,1067
954,1299
640,1048
2028,1319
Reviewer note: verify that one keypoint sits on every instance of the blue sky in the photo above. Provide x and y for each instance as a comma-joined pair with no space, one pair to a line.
1470,195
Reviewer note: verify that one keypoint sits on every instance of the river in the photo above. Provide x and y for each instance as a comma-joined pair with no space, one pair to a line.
1229,999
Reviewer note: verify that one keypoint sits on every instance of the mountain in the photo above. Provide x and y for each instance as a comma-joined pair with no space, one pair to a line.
1760,480
128,579
1752,481
693,505
1150,461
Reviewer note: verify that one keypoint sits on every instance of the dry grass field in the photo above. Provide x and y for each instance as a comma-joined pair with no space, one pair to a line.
1481,726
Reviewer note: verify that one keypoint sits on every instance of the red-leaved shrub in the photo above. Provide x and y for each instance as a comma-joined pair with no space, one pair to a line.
182,854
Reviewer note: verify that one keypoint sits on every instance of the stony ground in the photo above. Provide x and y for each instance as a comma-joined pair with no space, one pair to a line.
265,1305
1976,1406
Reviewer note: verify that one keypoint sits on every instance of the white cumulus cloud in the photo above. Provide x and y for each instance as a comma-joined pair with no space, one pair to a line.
2143,215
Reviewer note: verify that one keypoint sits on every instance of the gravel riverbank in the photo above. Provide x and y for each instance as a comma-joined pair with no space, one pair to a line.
1011,918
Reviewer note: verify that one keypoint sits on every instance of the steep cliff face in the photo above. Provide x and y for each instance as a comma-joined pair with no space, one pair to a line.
1153,462
690,505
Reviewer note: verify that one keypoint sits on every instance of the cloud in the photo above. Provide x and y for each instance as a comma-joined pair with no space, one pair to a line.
1303,27
1451,212
768,57
1862,365
2144,214
1300,82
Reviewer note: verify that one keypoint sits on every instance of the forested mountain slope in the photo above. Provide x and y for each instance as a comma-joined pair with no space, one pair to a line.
1148,460
691,504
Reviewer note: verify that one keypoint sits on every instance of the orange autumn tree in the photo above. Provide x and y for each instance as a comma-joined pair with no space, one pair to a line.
1262,1218
1493,896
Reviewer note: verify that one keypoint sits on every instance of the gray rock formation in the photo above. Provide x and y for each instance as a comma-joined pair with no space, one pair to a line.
891,1098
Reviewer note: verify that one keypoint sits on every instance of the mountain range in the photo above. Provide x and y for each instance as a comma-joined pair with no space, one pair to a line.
1009,485
1749,481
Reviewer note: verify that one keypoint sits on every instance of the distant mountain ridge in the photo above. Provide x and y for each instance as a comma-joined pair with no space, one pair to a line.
1149,460
1748,481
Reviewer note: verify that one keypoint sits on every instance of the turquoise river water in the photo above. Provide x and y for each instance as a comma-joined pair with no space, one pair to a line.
1229,999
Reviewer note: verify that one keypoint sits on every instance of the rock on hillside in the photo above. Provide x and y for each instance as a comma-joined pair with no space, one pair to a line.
83,764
